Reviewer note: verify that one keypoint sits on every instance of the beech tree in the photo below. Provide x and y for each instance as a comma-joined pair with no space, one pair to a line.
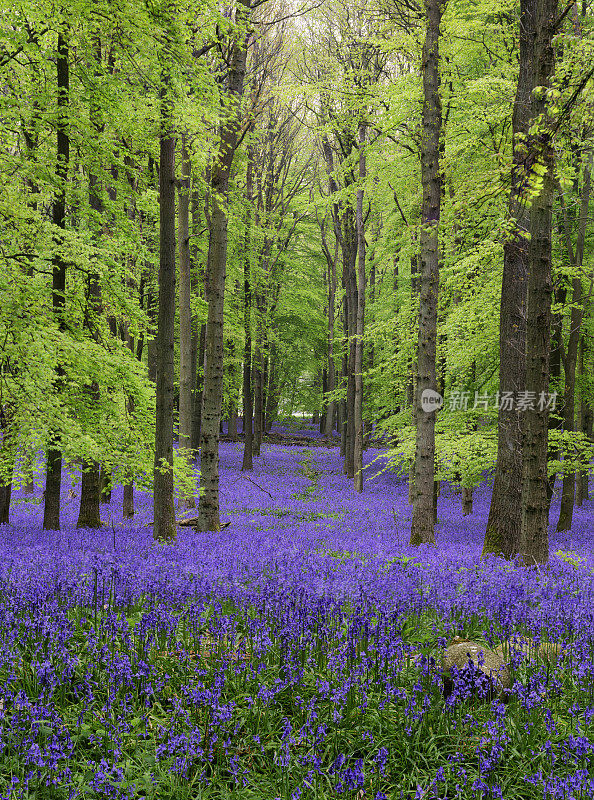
422,526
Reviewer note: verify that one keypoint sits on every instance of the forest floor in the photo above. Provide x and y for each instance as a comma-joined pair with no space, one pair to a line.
293,655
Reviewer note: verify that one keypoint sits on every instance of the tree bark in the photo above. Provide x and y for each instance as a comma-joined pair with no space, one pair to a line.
585,419
467,493
90,490
53,478
164,509
571,357
88,515
534,540
199,390
248,408
7,456
208,513
422,527
185,314
186,389
502,535
360,323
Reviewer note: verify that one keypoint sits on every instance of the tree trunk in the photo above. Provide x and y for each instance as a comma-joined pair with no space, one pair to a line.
555,379
185,314
88,515
331,386
422,527
186,389
198,331
199,390
258,372
164,508
7,461
53,478
585,425
571,358
5,494
90,491
534,543
272,395
467,493
502,536
351,307
209,517
360,320
248,408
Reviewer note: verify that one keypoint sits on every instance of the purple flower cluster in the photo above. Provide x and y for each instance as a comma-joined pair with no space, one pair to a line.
297,653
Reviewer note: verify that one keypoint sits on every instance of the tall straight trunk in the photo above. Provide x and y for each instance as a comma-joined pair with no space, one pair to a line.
585,426
331,379
502,535
152,308
90,490
209,515
164,516
128,494
185,312
534,540
422,527
571,357
352,305
248,408
232,420
360,324
272,395
7,461
258,375
197,356
5,495
555,379
265,371
53,475
199,390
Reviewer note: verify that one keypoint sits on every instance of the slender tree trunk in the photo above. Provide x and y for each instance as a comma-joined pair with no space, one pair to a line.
555,379
571,358
248,409
199,390
152,307
352,305
534,543
197,359
185,311
90,491
5,495
358,399
164,524
53,479
258,372
209,516
422,527
502,535
331,407
272,397
585,420
7,461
